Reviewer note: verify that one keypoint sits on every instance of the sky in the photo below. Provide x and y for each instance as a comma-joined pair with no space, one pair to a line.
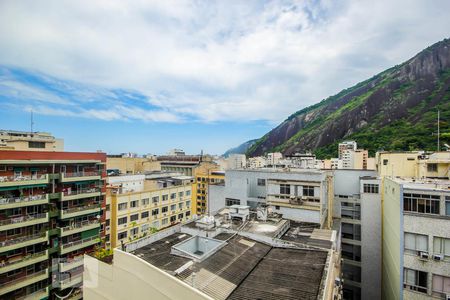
149,76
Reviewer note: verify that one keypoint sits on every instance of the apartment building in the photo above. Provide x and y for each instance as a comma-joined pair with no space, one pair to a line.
355,159
256,162
132,165
29,141
204,179
299,195
357,203
163,202
51,213
346,145
416,239
416,164
274,158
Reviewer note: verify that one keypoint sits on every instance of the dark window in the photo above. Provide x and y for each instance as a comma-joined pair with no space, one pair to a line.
155,212
277,207
165,209
285,189
173,218
180,216
230,201
385,162
370,188
261,182
122,220
421,203
134,217
308,191
144,214
432,167
122,235
36,145
415,280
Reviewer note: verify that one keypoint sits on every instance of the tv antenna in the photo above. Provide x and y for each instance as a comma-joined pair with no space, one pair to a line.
31,121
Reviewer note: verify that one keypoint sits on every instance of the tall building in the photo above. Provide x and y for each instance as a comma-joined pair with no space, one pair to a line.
355,159
357,203
51,213
416,239
346,145
274,158
139,210
29,141
204,179
131,165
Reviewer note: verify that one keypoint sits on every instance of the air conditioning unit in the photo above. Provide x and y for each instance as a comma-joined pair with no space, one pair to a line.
438,257
424,255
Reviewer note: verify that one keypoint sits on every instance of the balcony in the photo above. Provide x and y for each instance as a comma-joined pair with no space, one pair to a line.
23,221
22,261
6,203
79,211
79,194
73,263
75,279
24,281
23,241
78,227
8,181
72,246
38,295
80,176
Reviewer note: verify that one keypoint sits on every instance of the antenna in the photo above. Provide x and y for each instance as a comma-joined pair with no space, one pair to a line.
31,121
438,133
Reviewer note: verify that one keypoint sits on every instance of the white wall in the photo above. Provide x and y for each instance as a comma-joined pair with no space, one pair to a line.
216,198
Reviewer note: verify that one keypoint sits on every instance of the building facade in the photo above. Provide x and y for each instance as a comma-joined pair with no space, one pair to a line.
51,213
29,141
204,179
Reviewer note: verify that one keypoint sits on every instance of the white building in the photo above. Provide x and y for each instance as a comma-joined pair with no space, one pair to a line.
236,161
274,158
127,183
256,162
346,145
357,203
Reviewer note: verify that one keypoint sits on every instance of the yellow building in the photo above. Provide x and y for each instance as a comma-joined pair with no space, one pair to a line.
139,213
413,164
29,141
204,176
132,165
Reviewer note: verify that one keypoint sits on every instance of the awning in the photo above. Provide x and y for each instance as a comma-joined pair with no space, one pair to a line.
34,169
12,188
18,169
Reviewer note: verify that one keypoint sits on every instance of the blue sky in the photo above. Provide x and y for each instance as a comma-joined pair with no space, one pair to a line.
148,76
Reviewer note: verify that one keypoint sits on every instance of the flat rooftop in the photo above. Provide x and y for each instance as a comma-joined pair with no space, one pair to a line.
424,184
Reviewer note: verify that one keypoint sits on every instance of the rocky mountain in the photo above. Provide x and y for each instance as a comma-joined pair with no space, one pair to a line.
394,110
241,149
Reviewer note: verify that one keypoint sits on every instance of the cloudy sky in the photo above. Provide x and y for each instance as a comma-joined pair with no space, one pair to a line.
147,76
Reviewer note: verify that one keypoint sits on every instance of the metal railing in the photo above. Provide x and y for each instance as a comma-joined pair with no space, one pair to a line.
79,225
23,278
22,219
22,178
81,191
12,200
80,208
81,174
22,259
73,261
34,294
21,239
80,242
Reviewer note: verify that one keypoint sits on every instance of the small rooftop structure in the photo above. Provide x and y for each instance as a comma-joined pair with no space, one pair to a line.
239,211
197,247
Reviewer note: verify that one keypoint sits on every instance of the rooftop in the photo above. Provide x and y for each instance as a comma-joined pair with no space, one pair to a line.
424,184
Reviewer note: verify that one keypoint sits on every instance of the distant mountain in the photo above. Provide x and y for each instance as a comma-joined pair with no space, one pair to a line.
241,149
394,110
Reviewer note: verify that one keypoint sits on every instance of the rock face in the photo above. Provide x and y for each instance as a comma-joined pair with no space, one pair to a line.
394,110
241,149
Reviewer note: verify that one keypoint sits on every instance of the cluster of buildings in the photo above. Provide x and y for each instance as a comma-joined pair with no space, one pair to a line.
183,226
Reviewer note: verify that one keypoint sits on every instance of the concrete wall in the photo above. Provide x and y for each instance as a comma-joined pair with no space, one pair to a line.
300,215
370,243
392,237
346,182
216,198
130,277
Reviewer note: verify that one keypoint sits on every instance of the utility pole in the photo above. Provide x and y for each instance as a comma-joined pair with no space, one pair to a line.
31,121
438,131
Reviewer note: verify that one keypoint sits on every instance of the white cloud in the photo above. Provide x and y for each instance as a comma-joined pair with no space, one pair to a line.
214,60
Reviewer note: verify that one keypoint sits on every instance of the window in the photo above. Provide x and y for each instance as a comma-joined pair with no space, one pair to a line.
134,231
447,205
421,203
188,204
432,167
165,197
188,193
122,206
441,246
173,207
415,280
155,199
165,221
277,207
165,209
155,212
144,215
370,188
122,235
180,194
180,216
188,213
261,182
173,196
415,242
122,220
134,217
441,284
173,218
145,227
385,162
180,205
145,201
40,145
285,189
230,201
308,191
134,204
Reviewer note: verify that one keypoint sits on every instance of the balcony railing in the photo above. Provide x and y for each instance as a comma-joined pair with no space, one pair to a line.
81,174
40,294
22,219
76,227
82,191
73,263
67,247
20,262
22,281
22,200
22,239
22,178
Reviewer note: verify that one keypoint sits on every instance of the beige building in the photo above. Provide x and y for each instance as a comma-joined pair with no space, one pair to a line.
132,165
161,203
29,141
355,159
416,164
